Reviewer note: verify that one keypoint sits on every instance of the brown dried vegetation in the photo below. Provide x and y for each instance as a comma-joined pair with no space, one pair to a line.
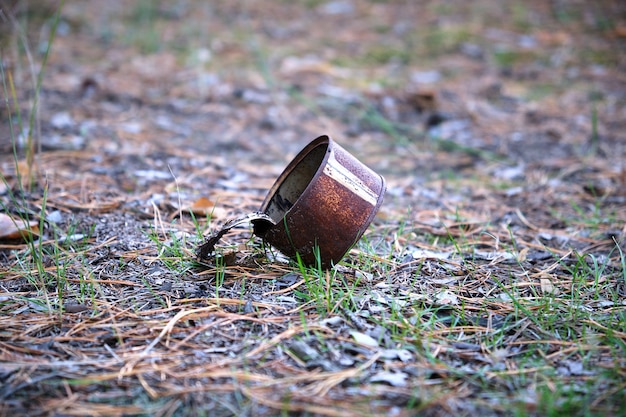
492,282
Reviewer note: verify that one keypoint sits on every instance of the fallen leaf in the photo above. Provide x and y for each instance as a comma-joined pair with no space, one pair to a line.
498,355
446,298
620,31
16,228
547,287
494,257
21,171
395,379
202,206
363,339
303,351
75,308
427,254
402,354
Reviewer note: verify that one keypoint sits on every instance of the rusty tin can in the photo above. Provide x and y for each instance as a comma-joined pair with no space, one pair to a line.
323,201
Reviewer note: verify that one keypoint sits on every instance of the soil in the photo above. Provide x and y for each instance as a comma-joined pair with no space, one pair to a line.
498,124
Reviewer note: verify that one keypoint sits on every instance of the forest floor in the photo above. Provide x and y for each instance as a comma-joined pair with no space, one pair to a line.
491,282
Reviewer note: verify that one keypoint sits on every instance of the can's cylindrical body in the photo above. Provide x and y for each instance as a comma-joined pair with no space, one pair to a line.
322,204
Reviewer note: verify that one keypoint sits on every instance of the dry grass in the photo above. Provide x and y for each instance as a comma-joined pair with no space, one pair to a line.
492,282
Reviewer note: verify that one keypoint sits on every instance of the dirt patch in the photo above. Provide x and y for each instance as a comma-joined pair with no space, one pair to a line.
492,280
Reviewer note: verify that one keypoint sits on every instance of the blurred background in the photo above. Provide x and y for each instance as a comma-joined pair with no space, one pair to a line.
452,84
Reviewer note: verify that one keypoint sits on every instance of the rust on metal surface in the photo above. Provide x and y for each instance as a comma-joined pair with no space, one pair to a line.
206,249
322,202
317,209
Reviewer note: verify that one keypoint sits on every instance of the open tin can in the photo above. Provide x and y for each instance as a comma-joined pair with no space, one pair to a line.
321,204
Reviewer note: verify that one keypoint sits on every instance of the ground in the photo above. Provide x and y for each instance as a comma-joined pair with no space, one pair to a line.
492,280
